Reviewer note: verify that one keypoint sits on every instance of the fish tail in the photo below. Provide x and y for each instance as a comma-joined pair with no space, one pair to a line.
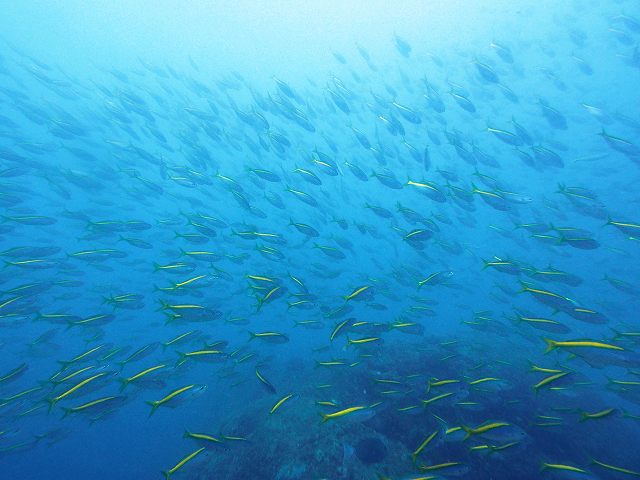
182,359
260,303
67,411
124,383
52,403
469,431
154,407
252,336
551,345
167,475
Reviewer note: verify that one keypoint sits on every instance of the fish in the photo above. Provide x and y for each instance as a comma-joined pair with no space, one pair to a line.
167,474
135,378
422,446
279,403
54,400
483,429
270,388
97,407
269,337
341,413
553,344
176,397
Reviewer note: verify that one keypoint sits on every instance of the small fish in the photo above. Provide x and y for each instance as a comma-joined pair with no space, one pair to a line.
483,428
422,446
176,397
341,413
167,474
279,403
597,415
553,344
269,387
269,337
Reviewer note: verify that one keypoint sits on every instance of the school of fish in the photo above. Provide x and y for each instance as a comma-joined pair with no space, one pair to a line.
413,268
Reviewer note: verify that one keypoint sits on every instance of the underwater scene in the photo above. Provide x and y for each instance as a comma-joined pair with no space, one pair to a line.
320,240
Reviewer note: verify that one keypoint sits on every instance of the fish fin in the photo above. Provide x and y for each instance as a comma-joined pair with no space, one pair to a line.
551,345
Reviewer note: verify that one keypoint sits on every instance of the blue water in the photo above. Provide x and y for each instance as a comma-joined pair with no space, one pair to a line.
341,241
